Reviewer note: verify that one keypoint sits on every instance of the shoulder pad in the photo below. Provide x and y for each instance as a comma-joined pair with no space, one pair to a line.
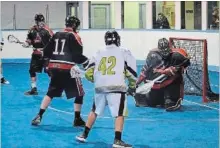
180,51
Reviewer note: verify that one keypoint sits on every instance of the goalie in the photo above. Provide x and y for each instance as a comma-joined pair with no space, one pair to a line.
168,91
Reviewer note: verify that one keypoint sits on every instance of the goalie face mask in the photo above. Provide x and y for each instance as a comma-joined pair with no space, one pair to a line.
163,46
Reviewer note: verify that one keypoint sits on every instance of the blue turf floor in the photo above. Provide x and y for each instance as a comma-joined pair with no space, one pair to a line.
194,126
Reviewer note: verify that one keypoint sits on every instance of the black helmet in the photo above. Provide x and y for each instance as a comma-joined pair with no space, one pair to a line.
73,22
39,18
163,46
112,37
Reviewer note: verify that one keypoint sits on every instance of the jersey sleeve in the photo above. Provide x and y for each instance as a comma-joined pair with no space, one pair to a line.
77,52
50,32
49,48
180,59
30,35
130,69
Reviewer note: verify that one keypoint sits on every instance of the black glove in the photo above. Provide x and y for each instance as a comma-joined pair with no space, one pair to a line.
131,91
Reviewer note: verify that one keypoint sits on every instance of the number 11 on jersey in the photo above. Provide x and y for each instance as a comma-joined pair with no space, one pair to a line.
62,47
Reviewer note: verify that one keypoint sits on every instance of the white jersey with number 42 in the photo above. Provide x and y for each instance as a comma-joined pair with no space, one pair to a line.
111,67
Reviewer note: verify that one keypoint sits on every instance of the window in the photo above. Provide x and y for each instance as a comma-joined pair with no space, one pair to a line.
133,15
73,8
101,15
142,15
163,14
191,15
213,15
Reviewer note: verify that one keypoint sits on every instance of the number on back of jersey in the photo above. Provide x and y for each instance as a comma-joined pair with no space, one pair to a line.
59,46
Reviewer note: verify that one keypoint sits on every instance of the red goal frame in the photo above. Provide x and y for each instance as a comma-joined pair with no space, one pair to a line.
205,63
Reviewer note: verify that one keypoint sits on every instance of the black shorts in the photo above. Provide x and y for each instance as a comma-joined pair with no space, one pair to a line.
62,81
37,63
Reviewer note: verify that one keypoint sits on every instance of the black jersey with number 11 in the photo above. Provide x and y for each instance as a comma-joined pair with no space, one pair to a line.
65,50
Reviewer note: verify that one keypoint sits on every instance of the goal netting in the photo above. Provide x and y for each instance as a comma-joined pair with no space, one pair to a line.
196,78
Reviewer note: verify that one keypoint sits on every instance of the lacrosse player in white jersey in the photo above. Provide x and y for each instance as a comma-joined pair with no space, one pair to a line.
3,80
108,69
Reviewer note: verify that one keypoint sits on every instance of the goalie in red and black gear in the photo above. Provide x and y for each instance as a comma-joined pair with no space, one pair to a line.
38,37
168,92
64,50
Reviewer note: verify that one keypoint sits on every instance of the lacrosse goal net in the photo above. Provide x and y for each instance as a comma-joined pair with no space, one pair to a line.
196,78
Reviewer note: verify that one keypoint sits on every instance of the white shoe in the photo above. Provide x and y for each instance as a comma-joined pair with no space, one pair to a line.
4,81
81,138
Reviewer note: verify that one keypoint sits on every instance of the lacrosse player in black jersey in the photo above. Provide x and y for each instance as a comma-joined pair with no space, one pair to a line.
38,36
65,50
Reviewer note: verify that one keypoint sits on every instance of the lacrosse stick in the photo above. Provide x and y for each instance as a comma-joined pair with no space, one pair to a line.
13,39
144,89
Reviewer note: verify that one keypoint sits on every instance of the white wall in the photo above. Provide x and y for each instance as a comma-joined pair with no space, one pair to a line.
139,42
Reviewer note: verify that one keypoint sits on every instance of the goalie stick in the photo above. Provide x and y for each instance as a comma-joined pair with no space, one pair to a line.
144,89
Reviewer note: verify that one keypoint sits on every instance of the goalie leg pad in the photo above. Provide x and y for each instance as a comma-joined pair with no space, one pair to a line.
152,99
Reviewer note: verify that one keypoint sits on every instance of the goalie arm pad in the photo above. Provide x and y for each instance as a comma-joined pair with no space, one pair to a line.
165,83
170,71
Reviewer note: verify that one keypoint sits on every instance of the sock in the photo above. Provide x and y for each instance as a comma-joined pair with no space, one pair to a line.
41,112
77,114
118,135
86,131
33,84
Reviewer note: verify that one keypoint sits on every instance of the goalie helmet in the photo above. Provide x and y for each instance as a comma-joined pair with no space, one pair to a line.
39,18
163,46
73,22
112,37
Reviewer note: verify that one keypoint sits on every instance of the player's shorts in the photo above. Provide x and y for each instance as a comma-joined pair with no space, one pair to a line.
116,102
37,63
62,81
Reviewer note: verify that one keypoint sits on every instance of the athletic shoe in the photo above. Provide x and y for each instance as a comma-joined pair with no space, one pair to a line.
33,91
173,106
4,81
81,138
121,144
79,122
36,121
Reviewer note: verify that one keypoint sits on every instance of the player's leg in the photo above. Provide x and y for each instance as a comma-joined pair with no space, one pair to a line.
36,66
117,103
3,80
32,73
55,90
78,121
73,89
173,95
97,109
